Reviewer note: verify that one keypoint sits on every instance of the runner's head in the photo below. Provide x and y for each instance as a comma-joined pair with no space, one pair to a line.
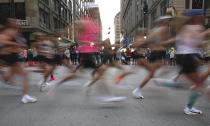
163,20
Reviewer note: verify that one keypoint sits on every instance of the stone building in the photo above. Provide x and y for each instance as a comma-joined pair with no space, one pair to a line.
132,17
47,16
142,13
158,8
117,27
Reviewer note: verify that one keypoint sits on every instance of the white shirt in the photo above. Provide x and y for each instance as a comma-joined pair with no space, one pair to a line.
188,41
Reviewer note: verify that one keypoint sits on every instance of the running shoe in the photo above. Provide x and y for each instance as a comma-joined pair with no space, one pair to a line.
52,79
87,84
40,85
192,111
28,99
43,86
112,99
51,88
137,94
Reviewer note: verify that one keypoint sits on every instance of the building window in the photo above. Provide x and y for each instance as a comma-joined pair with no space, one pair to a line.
164,6
56,24
56,6
70,18
70,4
45,1
64,13
20,11
197,4
42,18
5,9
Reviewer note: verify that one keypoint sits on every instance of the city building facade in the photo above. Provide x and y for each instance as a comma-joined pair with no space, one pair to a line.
158,8
117,27
47,16
131,17
142,13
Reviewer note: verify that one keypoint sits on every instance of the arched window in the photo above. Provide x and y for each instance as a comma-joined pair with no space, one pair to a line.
195,4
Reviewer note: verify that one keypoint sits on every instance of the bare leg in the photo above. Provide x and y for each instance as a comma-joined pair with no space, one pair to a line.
205,75
121,76
147,79
152,70
7,78
178,75
68,77
66,64
140,62
194,77
18,69
49,72
100,72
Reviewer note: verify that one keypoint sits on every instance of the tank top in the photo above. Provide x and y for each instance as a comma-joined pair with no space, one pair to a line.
90,37
188,43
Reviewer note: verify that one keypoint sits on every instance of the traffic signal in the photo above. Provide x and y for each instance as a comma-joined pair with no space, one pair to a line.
145,8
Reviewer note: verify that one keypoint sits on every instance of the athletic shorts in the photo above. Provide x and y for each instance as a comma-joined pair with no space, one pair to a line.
157,56
106,58
10,59
188,62
57,59
35,59
139,57
45,59
87,60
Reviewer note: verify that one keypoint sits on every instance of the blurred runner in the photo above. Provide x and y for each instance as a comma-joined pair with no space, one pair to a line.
159,34
188,54
45,47
9,53
88,36
188,44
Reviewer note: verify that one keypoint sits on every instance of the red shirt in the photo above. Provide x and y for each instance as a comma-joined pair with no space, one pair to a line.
128,53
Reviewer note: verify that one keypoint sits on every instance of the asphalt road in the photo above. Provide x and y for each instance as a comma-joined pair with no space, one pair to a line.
71,107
